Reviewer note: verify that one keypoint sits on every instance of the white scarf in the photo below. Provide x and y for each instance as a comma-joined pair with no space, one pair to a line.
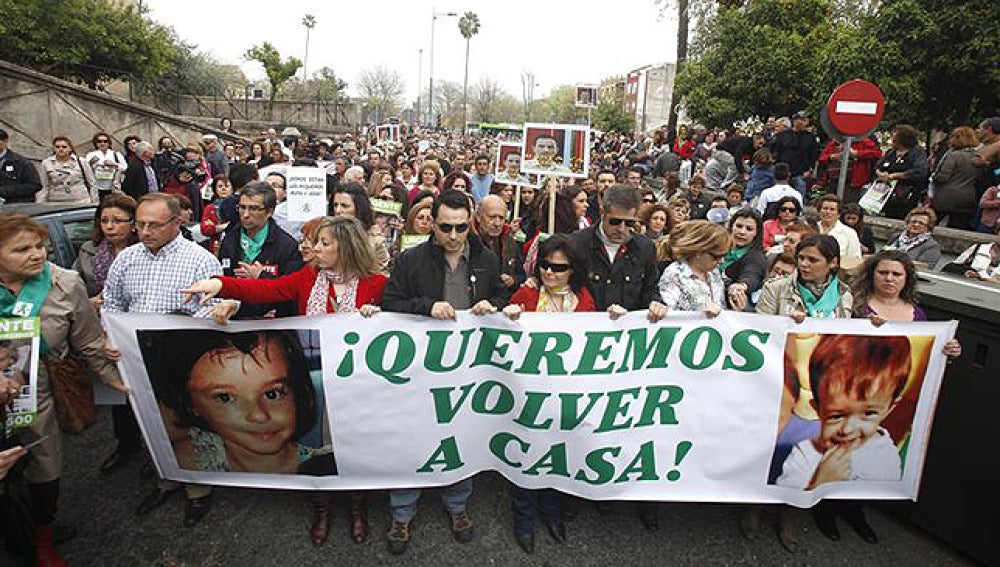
319,296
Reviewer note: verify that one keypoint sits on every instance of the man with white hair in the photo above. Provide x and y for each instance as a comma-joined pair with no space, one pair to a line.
140,177
354,174
215,157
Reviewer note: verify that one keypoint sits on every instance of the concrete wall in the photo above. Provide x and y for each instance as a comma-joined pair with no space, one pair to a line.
35,107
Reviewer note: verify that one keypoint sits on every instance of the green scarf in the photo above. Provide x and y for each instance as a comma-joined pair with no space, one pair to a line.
29,300
251,246
826,306
732,257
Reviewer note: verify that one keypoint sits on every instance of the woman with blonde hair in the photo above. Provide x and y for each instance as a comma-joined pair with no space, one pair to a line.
343,277
954,180
680,209
693,281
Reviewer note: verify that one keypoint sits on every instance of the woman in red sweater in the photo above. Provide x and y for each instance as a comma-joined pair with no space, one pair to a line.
560,274
343,277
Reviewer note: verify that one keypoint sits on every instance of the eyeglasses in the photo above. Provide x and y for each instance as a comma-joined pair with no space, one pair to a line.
618,222
116,222
153,225
554,267
448,227
788,210
251,208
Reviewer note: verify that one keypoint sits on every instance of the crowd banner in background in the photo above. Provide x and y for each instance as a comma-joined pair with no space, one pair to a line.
556,149
20,339
739,408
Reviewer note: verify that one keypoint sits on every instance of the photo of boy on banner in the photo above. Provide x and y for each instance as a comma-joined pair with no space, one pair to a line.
586,96
240,402
508,170
848,408
555,149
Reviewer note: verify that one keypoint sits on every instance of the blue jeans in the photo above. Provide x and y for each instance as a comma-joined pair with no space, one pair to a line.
526,504
403,503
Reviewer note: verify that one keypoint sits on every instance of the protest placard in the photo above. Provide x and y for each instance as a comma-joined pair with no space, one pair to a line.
20,340
306,191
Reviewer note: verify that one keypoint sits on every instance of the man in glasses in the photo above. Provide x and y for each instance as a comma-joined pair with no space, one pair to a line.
621,273
259,249
145,278
450,272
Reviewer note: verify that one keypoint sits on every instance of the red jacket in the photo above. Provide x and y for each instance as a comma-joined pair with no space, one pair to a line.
528,299
297,286
684,149
859,170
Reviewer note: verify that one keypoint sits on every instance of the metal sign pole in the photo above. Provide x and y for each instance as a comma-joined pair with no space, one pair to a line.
845,155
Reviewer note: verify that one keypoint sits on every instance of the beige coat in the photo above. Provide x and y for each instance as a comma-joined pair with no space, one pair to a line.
780,296
69,322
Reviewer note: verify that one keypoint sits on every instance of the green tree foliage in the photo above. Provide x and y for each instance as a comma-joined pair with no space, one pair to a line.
559,106
611,117
90,41
757,58
935,60
278,71
198,73
382,90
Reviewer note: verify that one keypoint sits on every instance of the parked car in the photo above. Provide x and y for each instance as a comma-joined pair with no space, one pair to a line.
69,227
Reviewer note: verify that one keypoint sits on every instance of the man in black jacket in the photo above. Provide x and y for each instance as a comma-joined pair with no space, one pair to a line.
258,248
140,177
450,272
622,275
799,149
19,179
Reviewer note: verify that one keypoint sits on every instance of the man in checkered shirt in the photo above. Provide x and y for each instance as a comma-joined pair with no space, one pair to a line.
147,278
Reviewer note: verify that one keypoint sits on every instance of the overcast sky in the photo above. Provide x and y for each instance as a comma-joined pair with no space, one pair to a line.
560,41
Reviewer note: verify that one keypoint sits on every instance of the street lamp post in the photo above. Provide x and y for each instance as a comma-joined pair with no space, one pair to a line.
430,91
420,79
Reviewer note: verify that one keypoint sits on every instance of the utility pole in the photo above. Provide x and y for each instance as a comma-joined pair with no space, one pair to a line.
430,91
420,80
309,21
528,92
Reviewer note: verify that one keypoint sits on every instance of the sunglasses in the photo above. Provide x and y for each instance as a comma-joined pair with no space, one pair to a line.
554,267
103,141
649,200
618,222
448,227
788,210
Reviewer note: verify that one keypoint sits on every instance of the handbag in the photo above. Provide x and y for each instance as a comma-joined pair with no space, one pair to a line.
72,392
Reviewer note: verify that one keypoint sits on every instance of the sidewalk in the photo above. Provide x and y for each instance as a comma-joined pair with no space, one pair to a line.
257,527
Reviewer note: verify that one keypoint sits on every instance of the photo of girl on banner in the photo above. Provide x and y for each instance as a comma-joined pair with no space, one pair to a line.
508,163
555,149
848,408
240,402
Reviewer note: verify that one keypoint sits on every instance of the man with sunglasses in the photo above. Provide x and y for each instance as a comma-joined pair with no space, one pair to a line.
621,274
450,272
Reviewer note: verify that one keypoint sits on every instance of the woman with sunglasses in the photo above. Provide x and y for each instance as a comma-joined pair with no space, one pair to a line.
693,281
561,275
788,214
109,166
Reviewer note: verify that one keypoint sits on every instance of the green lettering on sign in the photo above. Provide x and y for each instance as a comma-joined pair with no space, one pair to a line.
712,350
444,409
504,401
554,460
644,464
640,349
436,343
405,352
594,349
498,446
538,349
489,345
752,355
617,406
445,456
603,469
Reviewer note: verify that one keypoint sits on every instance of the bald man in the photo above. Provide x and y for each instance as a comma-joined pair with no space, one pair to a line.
498,235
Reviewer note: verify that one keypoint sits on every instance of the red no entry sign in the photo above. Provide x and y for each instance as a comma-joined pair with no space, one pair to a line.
855,107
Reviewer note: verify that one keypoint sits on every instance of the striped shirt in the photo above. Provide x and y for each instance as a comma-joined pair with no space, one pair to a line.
142,282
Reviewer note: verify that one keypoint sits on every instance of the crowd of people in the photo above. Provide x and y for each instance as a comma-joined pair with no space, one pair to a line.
710,221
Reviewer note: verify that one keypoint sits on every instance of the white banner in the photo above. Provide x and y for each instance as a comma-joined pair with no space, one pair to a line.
740,408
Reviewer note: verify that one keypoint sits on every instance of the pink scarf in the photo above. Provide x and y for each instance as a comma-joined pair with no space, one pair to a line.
319,296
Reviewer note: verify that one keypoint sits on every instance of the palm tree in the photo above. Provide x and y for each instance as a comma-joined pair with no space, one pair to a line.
468,26
309,21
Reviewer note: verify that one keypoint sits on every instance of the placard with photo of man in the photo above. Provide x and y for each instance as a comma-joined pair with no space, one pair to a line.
508,170
555,149
586,96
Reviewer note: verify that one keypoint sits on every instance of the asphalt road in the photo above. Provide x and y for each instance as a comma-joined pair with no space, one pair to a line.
259,527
